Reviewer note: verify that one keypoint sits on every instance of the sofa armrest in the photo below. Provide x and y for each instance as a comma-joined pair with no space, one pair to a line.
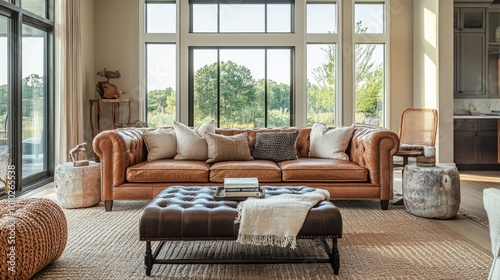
117,149
373,148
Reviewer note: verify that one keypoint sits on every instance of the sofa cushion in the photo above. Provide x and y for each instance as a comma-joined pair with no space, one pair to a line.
276,146
191,143
330,143
161,143
224,148
264,170
322,170
168,170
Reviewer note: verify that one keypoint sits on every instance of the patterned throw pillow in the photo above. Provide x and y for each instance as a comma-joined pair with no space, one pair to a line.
276,146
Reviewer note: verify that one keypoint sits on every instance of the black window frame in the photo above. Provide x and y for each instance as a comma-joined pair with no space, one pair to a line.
19,17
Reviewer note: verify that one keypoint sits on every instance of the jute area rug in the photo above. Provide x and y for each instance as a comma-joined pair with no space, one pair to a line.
376,244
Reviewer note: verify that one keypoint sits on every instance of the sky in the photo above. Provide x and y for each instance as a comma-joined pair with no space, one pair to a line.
33,57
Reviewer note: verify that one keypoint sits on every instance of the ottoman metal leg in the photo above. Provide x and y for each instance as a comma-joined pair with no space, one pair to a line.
333,254
148,259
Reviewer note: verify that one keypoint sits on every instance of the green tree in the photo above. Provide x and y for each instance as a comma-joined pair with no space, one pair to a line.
321,94
239,102
32,106
369,83
161,107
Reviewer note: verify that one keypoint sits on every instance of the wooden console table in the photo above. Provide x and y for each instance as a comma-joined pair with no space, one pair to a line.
115,112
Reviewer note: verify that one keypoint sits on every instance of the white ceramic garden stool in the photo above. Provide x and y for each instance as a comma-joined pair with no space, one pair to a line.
78,187
431,192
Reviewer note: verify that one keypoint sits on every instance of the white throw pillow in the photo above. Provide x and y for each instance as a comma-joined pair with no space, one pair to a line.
161,143
326,143
191,143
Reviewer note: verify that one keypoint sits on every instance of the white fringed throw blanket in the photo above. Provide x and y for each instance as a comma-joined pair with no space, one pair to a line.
275,220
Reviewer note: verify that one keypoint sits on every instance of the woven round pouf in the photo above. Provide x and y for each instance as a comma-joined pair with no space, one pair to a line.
33,234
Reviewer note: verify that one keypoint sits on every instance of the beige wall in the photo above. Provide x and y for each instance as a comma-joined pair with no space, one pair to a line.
87,51
401,60
433,67
116,47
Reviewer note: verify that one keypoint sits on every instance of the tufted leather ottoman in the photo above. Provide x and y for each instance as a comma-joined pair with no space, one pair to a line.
192,213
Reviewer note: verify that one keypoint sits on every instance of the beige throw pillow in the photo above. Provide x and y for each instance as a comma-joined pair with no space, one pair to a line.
191,144
326,143
161,143
223,148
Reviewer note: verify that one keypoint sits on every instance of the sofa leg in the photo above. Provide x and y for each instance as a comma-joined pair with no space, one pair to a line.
384,204
108,205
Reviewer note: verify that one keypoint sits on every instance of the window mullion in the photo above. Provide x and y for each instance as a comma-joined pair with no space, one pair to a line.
370,38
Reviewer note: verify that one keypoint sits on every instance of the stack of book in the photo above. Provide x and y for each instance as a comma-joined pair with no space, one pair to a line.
238,187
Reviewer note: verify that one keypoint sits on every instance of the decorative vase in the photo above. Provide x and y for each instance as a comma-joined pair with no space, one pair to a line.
497,34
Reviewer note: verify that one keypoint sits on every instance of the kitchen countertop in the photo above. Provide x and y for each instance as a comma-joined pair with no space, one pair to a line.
464,116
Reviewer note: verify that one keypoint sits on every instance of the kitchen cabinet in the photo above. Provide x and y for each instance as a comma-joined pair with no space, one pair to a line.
476,142
493,60
470,53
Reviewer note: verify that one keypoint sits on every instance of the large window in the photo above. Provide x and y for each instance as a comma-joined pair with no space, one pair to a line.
322,74
238,85
4,88
369,62
241,87
34,100
160,67
161,81
26,89
240,17
265,62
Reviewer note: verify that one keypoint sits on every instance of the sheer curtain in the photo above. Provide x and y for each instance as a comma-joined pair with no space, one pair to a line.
69,75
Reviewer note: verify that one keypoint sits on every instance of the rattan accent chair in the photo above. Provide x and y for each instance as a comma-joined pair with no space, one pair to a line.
418,128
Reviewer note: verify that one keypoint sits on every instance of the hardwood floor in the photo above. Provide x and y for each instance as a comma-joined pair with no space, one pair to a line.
472,184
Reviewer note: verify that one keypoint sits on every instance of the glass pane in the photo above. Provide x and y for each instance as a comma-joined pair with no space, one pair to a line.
278,88
4,92
322,18
369,83
242,18
321,83
38,7
279,18
161,84
160,18
369,18
204,18
205,86
473,19
240,104
33,99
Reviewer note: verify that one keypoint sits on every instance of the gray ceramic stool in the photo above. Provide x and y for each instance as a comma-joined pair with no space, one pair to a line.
431,192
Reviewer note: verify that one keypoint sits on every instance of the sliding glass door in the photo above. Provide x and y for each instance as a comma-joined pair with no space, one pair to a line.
34,115
27,91
4,92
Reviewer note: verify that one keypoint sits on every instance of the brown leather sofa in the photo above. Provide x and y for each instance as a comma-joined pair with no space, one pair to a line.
126,174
